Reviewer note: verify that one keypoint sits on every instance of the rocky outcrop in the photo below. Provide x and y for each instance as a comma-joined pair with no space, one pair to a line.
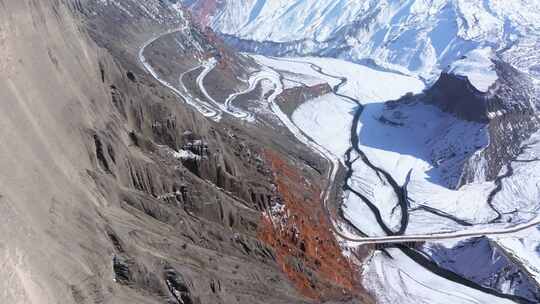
509,109
203,11
513,117
455,94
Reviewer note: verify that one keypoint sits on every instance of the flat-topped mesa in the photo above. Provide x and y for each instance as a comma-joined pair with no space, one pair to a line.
508,108
511,92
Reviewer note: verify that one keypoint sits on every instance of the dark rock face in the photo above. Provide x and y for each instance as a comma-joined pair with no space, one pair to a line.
178,287
456,95
507,114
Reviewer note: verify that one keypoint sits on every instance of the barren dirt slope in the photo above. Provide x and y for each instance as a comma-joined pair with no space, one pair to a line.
94,205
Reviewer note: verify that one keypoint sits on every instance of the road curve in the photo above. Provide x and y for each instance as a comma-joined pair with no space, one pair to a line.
204,104
205,110
226,106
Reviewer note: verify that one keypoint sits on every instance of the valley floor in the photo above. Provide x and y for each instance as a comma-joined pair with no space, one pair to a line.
403,147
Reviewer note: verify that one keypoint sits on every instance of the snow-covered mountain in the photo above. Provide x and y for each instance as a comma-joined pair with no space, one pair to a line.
418,36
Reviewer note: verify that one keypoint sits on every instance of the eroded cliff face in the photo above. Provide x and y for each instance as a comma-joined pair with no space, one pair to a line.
114,191
507,111
513,117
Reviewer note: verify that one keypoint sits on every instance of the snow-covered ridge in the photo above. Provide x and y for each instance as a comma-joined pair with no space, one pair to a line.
417,36
283,20
478,67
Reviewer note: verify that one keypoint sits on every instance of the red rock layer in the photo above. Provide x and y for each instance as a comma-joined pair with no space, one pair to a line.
300,234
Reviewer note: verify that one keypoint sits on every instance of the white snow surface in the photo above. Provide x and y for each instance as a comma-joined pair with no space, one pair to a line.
296,66
519,199
524,247
400,280
331,116
327,120
478,67
521,191
272,19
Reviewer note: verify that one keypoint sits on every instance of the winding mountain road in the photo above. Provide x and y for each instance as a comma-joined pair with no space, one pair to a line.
226,106
202,108
214,110
206,110
395,238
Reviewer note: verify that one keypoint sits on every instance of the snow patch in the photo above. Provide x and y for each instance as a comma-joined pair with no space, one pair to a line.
185,155
478,67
